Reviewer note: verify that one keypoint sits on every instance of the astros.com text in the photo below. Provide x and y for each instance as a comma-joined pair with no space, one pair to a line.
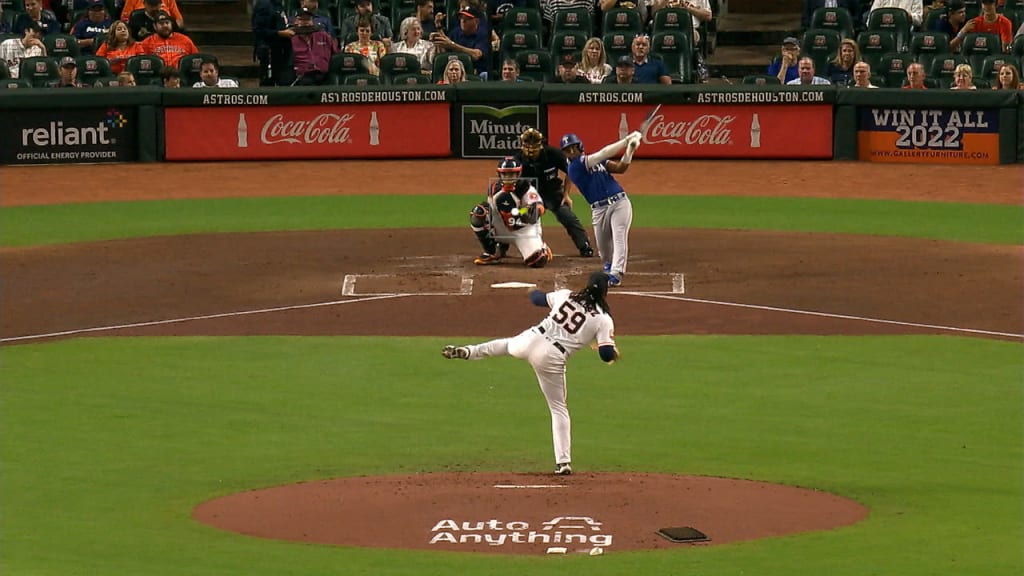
759,97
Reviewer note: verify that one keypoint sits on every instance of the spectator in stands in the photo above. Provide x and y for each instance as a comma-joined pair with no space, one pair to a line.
510,71
429,21
319,19
915,77
624,71
915,8
209,75
568,71
272,42
990,22
594,65
96,22
862,76
126,79
169,6
411,41
805,74
169,45
142,22
498,8
784,67
963,78
68,72
374,50
119,47
380,24
14,50
952,23
484,27
647,70
467,38
313,49
170,77
34,12
1008,78
454,73
852,6
840,69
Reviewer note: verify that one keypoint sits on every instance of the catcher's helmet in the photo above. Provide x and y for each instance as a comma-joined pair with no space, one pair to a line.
571,139
509,169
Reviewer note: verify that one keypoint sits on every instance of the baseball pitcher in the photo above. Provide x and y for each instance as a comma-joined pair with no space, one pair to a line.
576,319
510,215
543,163
611,210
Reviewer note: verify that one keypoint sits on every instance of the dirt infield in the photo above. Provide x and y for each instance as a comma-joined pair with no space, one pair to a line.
374,282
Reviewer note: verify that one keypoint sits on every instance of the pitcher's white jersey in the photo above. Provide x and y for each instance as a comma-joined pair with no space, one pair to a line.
570,325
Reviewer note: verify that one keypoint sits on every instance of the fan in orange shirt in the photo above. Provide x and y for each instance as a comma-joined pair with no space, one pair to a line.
990,21
118,47
169,6
166,43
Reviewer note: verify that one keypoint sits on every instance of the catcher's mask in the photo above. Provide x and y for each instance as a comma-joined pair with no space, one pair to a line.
531,143
509,170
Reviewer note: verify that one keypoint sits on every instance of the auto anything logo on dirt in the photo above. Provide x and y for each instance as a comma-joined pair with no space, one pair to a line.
489,132
561,530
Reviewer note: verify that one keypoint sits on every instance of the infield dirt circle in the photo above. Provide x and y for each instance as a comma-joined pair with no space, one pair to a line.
680,281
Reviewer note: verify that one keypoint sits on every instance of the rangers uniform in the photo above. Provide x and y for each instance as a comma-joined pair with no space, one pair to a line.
576,319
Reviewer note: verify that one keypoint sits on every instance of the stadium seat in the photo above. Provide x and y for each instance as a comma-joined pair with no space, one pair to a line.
567,43
925,46
837,19
92,67
146,69
404,79
397,64
1018,46
61,45
536,65
515,41
673,20
189,67
991,65
617,44
441,60
572,20
820,46
622,20
932,19
893,68
875,43
398,11
526,19
880,82
13,83
982,83
39,70
361,80
761,79
895,20
976,47
676,52
346,64
5,73
943,67
972,8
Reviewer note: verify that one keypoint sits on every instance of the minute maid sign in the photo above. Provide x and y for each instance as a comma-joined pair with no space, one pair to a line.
489,132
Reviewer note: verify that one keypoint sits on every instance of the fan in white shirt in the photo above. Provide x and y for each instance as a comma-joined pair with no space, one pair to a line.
805,69
209,74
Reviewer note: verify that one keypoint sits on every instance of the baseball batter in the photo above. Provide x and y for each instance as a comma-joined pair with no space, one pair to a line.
543,163
576,319
611,210
510,215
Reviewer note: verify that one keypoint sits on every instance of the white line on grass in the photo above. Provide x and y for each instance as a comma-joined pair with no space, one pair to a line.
824,314
191,318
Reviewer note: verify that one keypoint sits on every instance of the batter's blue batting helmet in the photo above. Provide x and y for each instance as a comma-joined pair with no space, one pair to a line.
571,139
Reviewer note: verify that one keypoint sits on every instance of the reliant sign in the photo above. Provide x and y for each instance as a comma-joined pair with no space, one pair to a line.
76,136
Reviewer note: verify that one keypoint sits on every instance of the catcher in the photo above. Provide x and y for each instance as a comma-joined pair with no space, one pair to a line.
510,215
543,163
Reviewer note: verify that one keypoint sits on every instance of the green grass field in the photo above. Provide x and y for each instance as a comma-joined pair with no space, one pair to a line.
106,444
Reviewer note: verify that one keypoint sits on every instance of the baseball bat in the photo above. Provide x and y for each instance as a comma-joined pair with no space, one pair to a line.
650,118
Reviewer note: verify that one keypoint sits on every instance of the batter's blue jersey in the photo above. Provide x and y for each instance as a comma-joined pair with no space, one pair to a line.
595,184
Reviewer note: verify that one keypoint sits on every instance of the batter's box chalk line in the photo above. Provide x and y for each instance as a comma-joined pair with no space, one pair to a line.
350,282
678,281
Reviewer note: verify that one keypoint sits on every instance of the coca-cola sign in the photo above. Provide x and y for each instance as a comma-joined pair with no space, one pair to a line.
328,131
702,131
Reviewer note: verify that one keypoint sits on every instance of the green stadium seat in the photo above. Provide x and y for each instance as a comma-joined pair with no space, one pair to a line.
837,19
361,80
146,69
895,20
925,46
874,44
761,79
536,65
39,70
820,46
397,64
617,44
676,51
622,20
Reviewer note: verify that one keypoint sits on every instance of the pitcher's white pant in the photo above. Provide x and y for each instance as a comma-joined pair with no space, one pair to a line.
548,364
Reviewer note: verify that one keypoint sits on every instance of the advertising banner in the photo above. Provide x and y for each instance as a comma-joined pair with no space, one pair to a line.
940,136
76,135
696,131
308,132
492,132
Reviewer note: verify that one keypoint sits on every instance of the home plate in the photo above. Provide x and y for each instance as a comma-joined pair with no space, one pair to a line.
513,285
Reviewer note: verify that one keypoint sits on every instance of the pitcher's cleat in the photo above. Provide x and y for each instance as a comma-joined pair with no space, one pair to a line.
451,352
563,469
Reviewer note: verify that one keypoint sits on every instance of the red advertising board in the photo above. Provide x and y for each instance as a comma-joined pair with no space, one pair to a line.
307,132
750,131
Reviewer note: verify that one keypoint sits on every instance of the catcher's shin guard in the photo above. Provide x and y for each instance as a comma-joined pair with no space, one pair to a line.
540,258
479,221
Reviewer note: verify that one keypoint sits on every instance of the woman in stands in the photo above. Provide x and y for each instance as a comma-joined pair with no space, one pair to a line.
365,45
594,62
411,42
840,69
454,72
963,78
1009,78
119,47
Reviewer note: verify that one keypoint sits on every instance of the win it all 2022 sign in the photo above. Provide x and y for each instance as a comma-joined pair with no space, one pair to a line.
86,135
489,132
940,136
